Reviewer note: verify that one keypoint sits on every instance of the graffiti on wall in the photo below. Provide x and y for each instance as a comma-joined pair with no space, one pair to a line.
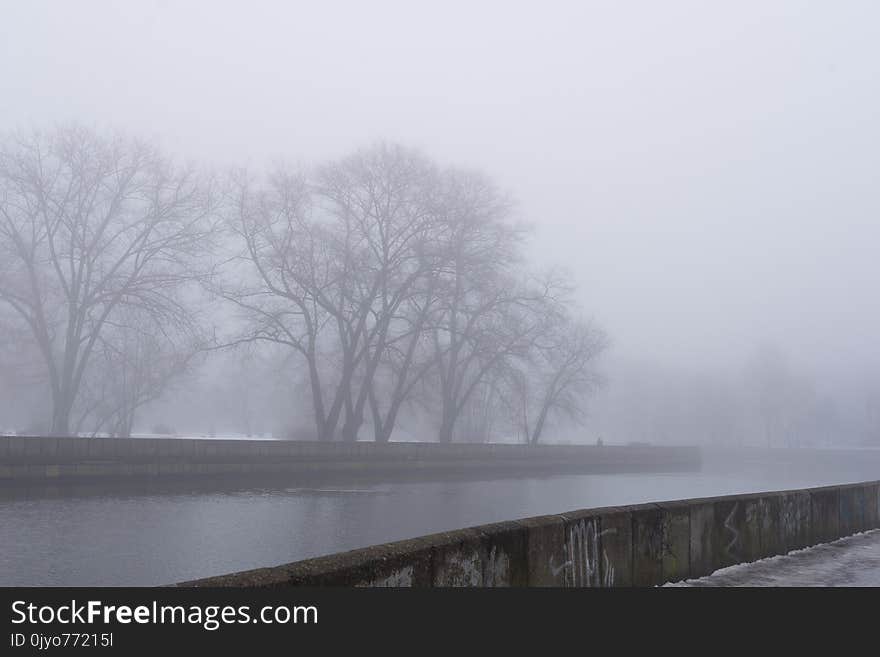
731,547
585,563
497,571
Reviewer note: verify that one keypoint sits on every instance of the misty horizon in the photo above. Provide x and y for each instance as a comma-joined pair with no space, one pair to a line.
704,174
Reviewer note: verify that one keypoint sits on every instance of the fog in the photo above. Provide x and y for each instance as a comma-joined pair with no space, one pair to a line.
704,173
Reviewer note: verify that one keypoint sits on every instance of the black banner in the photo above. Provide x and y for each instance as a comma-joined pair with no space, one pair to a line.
127,621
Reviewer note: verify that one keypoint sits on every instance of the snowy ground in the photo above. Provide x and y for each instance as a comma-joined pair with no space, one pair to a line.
850,561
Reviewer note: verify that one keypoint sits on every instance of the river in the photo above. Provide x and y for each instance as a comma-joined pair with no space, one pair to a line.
148,533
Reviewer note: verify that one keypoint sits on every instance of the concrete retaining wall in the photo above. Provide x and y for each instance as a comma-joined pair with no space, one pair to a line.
23,457
641,545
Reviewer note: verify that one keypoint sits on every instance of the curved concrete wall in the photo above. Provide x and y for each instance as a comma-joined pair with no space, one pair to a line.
641,545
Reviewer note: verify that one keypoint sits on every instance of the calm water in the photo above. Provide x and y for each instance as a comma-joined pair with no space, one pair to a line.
163,533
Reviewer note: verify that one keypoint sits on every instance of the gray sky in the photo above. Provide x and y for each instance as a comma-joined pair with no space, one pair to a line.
706,170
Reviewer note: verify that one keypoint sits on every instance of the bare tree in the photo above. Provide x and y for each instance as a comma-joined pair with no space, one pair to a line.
556,376
483,414
382,204
135,364
407,360
476,337
435,347
392,278
489,313
327,268
22,384
280,277
89,225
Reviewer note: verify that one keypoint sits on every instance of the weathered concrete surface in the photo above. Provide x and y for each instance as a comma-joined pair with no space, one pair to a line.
676,541
872,506
404,563
796,519
647,553
26,458
751,536
598,547
617,546
853,509
458,558
582,533
505,554
545,550
730,519
640,545
771,537
825,514
703,539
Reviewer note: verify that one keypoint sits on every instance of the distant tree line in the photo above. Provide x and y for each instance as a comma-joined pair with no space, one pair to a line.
396,283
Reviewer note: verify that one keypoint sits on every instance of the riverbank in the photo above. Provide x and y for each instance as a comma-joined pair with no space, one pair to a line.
36,458
635,545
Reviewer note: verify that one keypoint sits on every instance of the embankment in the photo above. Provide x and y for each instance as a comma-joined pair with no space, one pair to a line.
640,545
28,459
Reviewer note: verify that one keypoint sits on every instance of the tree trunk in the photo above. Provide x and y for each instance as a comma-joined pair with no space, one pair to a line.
447,427
539,426
60,425
61,416
353,422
